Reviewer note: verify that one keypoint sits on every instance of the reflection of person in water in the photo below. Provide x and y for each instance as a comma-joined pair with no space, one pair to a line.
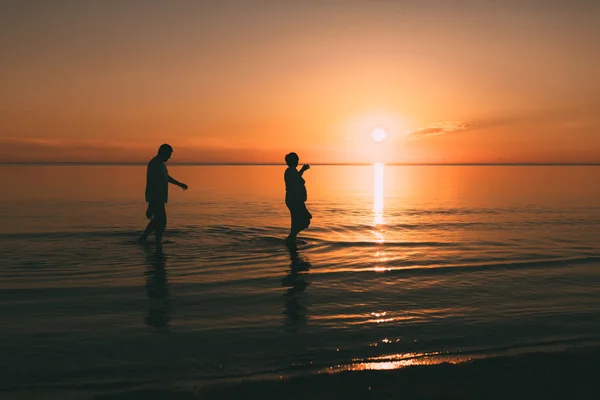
296,282
295,197
157,288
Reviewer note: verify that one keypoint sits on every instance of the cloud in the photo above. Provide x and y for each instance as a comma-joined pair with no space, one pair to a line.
582,116
438,128
59,150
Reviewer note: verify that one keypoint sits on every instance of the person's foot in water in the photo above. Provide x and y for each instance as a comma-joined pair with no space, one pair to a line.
290,241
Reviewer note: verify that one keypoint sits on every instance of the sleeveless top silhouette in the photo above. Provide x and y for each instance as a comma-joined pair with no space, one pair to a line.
157,182
295,188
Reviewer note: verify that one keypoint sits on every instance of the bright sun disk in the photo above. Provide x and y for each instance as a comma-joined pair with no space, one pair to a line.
378,134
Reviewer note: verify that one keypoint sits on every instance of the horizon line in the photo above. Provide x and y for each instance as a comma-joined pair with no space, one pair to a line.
120,163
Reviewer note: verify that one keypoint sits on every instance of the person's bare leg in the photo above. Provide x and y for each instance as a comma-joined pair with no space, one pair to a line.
144,236
161,222
291,239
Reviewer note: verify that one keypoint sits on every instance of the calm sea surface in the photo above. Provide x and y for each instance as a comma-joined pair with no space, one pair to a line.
401,265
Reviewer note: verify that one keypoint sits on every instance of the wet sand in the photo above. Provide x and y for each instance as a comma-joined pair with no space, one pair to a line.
564,375
571,374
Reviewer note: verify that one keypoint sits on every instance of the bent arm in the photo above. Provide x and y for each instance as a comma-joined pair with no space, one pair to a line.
176,182
173,181
304,168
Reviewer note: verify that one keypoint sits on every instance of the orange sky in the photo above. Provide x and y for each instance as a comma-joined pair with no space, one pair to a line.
236,81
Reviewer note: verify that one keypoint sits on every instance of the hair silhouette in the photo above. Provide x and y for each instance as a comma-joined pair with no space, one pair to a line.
165,149
291,159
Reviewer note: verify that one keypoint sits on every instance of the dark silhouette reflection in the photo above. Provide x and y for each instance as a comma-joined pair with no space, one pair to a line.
296,282
159,311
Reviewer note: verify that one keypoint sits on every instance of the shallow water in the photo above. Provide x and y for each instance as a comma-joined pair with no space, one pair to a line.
401,265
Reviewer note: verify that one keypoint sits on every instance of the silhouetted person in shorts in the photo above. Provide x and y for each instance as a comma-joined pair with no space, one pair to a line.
157,193
295,197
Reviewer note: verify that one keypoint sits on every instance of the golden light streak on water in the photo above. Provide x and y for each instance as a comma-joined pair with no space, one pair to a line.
378,194
396,361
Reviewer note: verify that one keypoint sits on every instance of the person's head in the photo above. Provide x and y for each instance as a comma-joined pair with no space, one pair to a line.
292,159
165,151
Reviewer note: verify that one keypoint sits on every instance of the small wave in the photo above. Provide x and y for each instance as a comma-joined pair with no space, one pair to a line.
556,262
233,230
67,235
345,244
458,211
404,226
133,233
402,267
395,361
519,347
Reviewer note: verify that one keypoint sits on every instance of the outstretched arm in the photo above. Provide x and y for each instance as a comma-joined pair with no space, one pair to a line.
177,183
304,168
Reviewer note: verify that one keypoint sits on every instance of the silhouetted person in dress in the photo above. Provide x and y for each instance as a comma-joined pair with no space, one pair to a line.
157,193
295,197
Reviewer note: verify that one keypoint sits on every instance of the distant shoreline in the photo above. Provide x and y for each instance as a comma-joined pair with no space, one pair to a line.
125,164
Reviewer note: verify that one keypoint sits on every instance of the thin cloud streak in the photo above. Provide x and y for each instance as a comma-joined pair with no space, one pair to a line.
34,150
581,116
437,128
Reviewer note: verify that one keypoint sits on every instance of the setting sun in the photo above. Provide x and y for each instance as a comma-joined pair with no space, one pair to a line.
378,134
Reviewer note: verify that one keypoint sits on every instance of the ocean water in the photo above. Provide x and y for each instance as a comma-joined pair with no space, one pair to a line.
401,265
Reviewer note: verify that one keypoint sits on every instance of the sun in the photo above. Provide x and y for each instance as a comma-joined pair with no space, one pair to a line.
378,134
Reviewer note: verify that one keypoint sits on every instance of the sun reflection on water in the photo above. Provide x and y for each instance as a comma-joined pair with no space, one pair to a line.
396,361
378,220
380,318
381,257
378,194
